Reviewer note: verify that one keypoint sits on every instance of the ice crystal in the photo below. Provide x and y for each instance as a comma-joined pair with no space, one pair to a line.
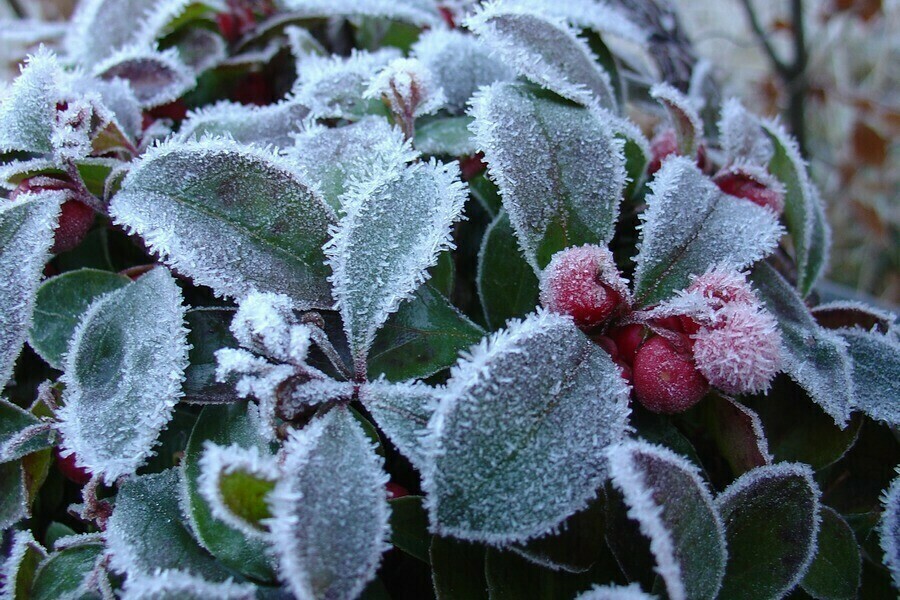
742,136
28,106
416,12
273,124
73,129
173,584
402,411
889,529
156,77
603,17
876,373
615,592
266,324
407,86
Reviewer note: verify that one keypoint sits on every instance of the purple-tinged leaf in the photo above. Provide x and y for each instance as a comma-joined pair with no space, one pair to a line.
274,124
737,432
155,77
875,360
685,120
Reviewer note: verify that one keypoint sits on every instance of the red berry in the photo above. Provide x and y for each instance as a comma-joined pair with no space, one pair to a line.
70,470
666,380
471,166
584,283
672,323
664,144
607,344
743,185
688,325
395,490
628,339
75,221
721,286
627,373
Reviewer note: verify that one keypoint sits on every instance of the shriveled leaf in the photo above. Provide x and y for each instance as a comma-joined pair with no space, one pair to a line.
60,304
835,573
804,213
224,425
123,375
28,107
409,527
685,120
875,360
173,584
670,501
771,524
544,50
156,77
524,415
402,411
561,180
19,567
445,136
68,573
889,530
424,336
26,235
232,217
507,285
814,357
457,569
146,531
397,220
417,12
690,226
21,432
274,124
330,511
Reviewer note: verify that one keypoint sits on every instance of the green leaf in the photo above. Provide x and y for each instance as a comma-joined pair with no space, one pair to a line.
423,337
803,210
21,432
457,569
67,573
19,568
223,425
771,523
26,234
814,357
737,432
13,502
274,124
507,285
28,111
59,305
443,274
232,217
244,495
402,410
146,531
445,136
523,416
835,572
876,373
674,509
208,332
560,169
690,226
511,577
123,375
684,117
409,527
889,529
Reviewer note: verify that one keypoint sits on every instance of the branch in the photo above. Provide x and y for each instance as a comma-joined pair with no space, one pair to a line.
783,69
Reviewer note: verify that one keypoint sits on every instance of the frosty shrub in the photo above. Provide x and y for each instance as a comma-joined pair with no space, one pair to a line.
392,299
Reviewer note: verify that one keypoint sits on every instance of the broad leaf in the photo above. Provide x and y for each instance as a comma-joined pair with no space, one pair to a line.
670,501
686,121
174,584
69,573
424,336
445,136
804,213
507,285
26,234
275,124
851,313
330,511
603,18
13,495
123,375
397,220
560,170
814,357
835,573
155,77
737,432
690,226
544,50
232,217
60,304
402,411
409,527
28,109
19,567
21,432
201,49
227,425
741,135
524,415
771,524
511,577
457,569
875,360
146,531
889,530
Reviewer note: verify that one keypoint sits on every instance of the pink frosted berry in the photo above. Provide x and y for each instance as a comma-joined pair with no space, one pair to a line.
666,380
723,286
584,282
744,184
742,352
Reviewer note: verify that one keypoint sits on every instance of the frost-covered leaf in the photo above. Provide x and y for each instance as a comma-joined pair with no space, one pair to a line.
402,411
117,96
737,432
333,157
19,567
156,77
445,136
840,313
173,584
668,498
741,135
28,106
690,226
330,511
457,569
224,425
333,86
146,531
407,88
771,524
544,50
26,234
615,592
201,49
511,576
21,432
507,285
423,337
409,526
123,375
816,358
69,573
397,220
234,481
559,168
875,360
605,18
889,530
460,64
804,213
59,305
685,120
274,124
232,217
416,12
13,500
208,333
835,573
527,413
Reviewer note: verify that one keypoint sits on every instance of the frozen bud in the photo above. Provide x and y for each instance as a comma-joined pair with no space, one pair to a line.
408,89
720,286
263,323
753,184
584,283
666,380
77,123
742,352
